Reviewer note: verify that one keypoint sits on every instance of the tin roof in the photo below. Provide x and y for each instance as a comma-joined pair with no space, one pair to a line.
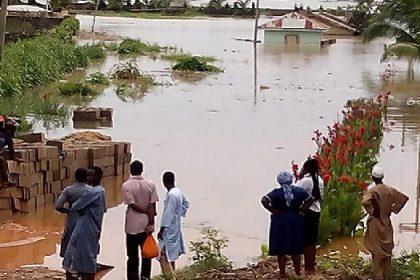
293,21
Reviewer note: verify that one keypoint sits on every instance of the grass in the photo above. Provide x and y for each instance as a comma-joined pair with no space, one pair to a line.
96,51
98,78
73,88
175,57
41,60
131,46
194,64
190,14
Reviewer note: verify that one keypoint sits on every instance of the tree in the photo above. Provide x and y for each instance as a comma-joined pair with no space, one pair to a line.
399,20
242,4
361,14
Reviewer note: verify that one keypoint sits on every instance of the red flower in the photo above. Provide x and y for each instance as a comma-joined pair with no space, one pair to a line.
326,178
362,186
344,179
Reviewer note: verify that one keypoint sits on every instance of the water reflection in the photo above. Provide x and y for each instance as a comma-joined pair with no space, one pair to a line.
30,238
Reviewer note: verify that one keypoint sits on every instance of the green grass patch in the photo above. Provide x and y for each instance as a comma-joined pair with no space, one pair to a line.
185,56
40,61
72,88
98,78
189,14
93,51
195,65
131,46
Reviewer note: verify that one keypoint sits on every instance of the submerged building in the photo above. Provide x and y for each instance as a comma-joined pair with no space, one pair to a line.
293,29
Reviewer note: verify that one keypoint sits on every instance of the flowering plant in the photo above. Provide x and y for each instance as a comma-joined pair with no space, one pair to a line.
346,156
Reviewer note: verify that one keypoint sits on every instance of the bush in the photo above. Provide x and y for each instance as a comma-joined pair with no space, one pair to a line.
128,46
126,71
93,51
72,88
67,29
194,64
207,255
39,61
98,78
346,157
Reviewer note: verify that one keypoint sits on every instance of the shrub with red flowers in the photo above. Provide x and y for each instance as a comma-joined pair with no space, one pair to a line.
346,157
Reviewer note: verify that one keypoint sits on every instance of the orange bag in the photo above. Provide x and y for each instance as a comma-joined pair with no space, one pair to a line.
150,248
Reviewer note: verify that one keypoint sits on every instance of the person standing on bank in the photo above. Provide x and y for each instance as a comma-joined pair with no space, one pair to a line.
380,201
69,196
312,183
83,248
140,196
170,234
286,227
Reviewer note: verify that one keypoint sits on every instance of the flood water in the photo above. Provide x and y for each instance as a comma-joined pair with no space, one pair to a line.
226,143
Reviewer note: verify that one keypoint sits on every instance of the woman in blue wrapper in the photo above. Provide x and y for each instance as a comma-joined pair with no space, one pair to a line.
286,228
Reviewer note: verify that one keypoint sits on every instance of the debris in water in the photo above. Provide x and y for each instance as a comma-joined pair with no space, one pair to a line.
411,101
263,87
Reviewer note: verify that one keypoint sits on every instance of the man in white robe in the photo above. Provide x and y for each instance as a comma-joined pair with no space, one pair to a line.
170,236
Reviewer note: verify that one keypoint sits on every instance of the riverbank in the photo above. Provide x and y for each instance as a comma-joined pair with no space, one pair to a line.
406,267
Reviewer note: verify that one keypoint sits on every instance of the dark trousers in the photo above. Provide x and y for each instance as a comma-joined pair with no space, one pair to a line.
3,171
133,243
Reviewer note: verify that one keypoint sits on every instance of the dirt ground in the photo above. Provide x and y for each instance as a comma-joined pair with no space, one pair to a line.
32,273
263,270
267,269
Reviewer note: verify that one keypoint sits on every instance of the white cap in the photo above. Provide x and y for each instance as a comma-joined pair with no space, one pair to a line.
377,172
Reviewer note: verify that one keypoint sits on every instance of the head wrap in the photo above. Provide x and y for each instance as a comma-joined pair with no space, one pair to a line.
377,172
285,180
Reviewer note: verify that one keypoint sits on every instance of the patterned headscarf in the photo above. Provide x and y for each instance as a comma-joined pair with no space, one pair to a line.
285,180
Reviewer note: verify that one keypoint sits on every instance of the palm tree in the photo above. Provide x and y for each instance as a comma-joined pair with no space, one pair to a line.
400,20
242,4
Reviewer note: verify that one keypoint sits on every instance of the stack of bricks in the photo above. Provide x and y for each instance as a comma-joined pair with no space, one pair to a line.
45,167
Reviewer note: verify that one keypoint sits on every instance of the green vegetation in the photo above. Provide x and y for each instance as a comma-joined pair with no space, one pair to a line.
67,29
361,14
189,14
400,20
39,61
72,88
130,46
93,51
194,64
207,255
128,70
178,56
98,78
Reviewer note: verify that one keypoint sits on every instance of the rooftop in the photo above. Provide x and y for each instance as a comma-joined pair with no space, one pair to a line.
293,21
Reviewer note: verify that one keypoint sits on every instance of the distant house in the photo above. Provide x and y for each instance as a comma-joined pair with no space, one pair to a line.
292,29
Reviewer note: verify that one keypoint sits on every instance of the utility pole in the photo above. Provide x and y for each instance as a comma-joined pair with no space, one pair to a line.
94,15
3,20
257,16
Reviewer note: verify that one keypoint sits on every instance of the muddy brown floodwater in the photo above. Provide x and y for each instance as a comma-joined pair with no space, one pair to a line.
226,144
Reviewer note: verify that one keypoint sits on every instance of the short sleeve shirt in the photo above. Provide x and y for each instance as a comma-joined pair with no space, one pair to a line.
307,184
142,192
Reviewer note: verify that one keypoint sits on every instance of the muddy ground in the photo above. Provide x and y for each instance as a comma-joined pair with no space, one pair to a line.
265,269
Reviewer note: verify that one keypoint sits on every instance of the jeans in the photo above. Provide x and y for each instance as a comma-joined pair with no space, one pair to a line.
133,243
